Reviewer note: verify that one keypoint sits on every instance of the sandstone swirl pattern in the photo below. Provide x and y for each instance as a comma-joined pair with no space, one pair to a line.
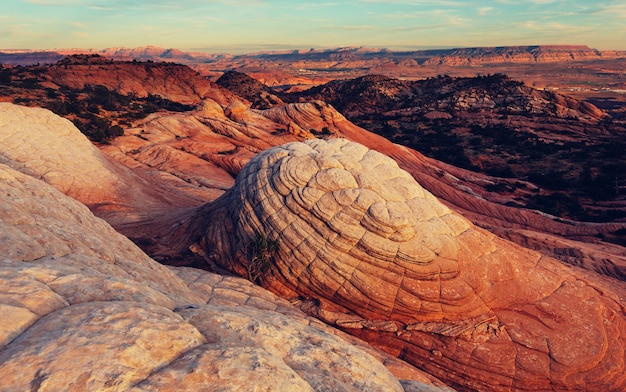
351,222
364,246
84,309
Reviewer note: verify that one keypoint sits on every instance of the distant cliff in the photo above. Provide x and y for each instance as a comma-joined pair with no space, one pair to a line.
522,54
365,56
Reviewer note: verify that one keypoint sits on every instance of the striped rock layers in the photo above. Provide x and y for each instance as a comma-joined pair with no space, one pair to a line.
356,241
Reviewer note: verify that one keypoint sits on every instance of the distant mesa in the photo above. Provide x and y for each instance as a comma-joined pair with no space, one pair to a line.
458,56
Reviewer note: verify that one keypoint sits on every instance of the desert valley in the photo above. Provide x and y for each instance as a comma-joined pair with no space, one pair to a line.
352,219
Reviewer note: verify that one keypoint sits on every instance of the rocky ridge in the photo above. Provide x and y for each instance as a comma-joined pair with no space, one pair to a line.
457,56
533,149
226,134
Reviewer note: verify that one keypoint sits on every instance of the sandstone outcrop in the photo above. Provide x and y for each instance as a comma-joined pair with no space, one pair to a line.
43,145
175,82
180,160
84,309
364,247
513,149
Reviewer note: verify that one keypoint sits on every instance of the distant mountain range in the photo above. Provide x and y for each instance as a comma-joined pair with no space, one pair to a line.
459,56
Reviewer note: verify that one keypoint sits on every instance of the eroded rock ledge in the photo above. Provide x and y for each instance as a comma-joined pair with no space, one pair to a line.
363,246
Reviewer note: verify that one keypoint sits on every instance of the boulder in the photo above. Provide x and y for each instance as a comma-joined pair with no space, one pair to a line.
360,244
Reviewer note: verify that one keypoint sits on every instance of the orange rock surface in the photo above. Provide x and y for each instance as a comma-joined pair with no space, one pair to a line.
84,309
530,323
367,249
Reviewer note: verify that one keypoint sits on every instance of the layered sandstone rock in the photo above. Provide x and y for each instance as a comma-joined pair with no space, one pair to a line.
175,82
84,309
365,247
43,145
181,160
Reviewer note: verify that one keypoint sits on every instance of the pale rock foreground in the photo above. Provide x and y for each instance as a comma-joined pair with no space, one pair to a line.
83,309
366,248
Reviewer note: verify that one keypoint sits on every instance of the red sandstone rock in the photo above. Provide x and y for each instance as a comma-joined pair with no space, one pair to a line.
371,251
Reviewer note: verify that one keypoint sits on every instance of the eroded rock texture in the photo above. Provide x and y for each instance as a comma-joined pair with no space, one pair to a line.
84,309
365,247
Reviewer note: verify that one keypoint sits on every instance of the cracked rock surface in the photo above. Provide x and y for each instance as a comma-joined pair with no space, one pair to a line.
363,246
84,309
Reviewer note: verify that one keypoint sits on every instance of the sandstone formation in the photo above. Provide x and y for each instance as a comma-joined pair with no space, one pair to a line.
180,160
172,81
499,126
331,57
191,151
84,309
43,145
366,248
184,159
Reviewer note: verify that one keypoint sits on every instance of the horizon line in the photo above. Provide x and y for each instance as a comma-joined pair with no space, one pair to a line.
265,48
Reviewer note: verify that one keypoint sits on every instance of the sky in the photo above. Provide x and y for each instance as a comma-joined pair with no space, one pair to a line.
243,26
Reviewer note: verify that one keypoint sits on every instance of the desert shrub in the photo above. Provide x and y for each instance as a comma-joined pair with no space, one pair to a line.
114,131
30,83
58,106
554,180
260,255
500,170
5,76
52,93
159,102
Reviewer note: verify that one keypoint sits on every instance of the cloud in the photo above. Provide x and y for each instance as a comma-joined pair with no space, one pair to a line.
305,6
58,3
440,16
614,10
482,11
350,27
79,25
447,3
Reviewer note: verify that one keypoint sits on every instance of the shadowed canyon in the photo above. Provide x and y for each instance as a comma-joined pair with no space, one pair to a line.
431,232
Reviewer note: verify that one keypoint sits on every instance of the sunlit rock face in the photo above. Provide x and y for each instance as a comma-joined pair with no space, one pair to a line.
363,246
349,222
84,309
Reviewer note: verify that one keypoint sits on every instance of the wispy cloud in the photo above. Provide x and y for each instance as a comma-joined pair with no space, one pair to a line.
350,27
419,3
482,11
60,3
440,16
305,6
353,22
615,10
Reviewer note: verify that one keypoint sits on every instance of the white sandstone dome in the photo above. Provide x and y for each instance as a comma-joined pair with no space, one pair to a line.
348,221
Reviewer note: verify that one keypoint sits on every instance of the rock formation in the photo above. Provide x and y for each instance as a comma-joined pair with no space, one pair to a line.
175,161
43,145
84,309
363,246
509,319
